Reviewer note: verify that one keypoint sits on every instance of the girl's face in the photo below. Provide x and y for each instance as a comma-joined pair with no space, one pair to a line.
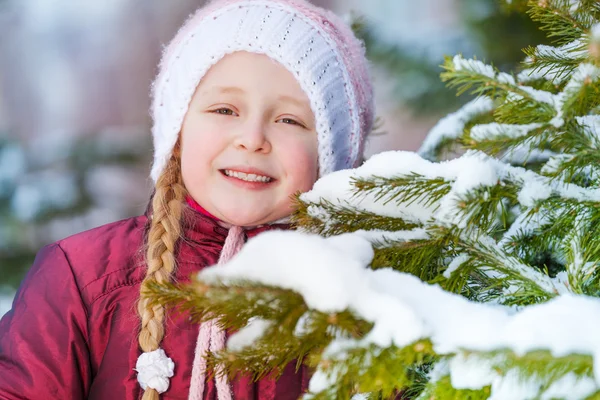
248,141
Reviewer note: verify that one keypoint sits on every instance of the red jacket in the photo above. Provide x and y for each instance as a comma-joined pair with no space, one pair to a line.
72,332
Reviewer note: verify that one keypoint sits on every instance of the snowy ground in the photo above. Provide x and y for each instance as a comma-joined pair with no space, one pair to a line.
5,303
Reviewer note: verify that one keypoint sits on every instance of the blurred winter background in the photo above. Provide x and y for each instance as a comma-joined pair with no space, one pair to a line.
75,145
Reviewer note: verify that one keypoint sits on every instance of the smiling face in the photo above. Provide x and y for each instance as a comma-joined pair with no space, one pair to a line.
248,141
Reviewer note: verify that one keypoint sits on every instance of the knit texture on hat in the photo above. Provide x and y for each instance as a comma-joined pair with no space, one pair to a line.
316,46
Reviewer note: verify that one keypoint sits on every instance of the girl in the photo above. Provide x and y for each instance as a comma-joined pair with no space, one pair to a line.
255,99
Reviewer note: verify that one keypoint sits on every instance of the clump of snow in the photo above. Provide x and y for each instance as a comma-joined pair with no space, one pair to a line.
570,387
591,128
453,125
455,264
471,372
554,75
321,381
495,130
555,162
246,336
584,74
534,189
572,50
376,236
476,66
524,224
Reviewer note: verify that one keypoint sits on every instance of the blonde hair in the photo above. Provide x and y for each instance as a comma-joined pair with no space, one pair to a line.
163,235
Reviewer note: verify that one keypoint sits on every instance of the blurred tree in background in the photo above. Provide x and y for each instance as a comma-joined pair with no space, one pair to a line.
491,30
58,185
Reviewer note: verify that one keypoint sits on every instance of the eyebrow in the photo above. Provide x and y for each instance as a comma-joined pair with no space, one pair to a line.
227,89
237,90
293,100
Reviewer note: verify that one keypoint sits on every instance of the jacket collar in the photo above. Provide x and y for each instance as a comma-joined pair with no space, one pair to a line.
197,212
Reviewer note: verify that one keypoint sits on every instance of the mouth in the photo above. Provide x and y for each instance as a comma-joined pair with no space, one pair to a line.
252,176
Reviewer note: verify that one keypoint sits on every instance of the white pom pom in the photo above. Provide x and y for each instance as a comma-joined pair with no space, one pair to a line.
154,370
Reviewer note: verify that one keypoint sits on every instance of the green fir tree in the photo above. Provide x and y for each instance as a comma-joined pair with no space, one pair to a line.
467,271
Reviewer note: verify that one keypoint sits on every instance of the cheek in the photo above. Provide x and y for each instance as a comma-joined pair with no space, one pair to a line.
199,147
301,164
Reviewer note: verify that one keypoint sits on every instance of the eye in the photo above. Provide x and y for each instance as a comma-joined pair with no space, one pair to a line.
290,121
224,111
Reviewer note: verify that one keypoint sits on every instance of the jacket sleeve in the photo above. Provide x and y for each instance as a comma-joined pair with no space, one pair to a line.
43,339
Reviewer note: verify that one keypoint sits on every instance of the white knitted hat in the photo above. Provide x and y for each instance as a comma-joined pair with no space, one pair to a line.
317,47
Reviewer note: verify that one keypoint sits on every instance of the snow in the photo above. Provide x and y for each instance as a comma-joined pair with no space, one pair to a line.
555,161
524,225
541,96
470,372
337,188
572,50
453,125
570,387
523,153
376,236
247,335
550,73
332,274
534,189
472,170
455,264
582,75
468,172
315,251
591,127
478,67
471,65
495,130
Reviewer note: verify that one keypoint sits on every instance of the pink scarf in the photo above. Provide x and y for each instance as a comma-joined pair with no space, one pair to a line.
211,338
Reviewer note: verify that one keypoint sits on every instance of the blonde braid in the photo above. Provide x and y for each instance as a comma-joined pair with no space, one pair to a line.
165,230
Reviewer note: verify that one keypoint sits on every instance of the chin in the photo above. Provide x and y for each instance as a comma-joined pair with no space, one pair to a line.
242,219
249,219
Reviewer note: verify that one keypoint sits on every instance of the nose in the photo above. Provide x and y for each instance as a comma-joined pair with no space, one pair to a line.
252,137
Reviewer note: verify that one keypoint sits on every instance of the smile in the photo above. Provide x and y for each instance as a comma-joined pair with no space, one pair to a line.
247,177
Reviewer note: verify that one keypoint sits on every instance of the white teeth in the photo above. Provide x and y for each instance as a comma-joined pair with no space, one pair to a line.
247,177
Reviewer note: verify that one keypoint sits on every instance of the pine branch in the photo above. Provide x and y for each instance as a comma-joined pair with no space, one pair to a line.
484,206
409,189
523,111
556,18
233,304
557,63
443,389
483,79
282,343
373,370
506,144
422,258
485,257
582,94
334,219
